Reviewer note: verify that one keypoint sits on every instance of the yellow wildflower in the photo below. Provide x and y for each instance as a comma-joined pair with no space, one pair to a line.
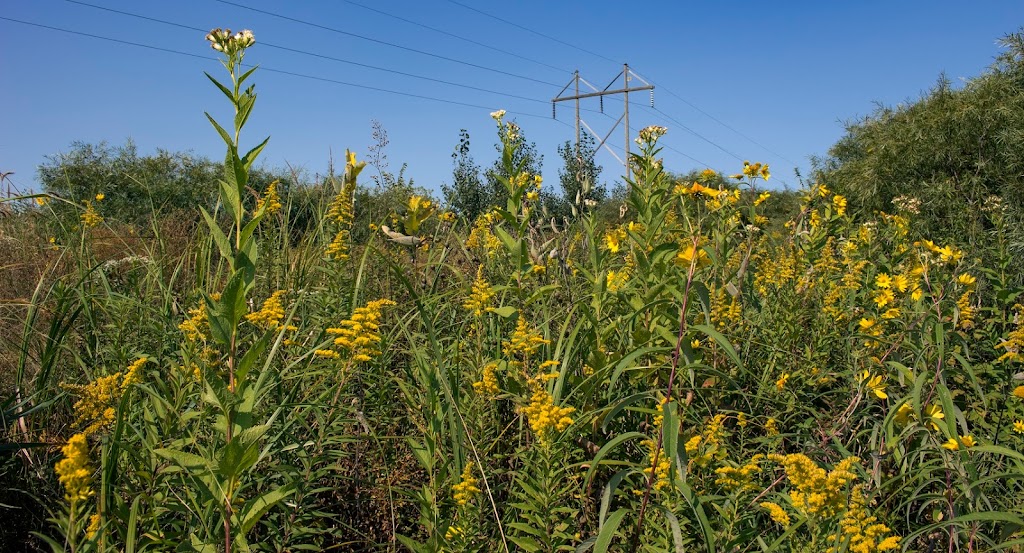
934,414
839,205
358,335
488,383
271,199
904,414
901,283
466,489
75,471
883,280
967,280
739,478
771,427
90,217
875,383
781,382
1019,392
270,314
1018,426
94,526
613,239
953,445
479,300
777,513
691,255
524,341
762,198
545,418
617,280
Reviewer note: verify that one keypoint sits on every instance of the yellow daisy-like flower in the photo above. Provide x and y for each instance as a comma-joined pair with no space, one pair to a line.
883,280
967,280
100,197
1019,392
953,445
1018,426
934,413
781,382
875,383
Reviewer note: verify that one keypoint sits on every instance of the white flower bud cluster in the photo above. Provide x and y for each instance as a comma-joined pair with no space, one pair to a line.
650,134
222,40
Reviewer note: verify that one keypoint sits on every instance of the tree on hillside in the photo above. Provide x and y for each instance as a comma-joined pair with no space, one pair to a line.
466,195
133,184
580,173
950,152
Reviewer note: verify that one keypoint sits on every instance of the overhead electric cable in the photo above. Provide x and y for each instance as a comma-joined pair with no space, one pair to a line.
453,35
661,87
378,41
313,54
529,30
270,69
726,125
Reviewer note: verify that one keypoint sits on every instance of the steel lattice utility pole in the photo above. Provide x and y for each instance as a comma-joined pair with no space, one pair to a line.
627,76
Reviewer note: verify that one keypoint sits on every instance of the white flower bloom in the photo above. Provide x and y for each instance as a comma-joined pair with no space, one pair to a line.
497,115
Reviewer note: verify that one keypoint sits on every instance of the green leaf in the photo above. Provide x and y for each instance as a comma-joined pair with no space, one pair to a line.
607,533
227,92
220,130
504,311
255,509
218,235
186,461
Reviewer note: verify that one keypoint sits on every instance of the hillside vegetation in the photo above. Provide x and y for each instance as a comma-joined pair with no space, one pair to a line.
209,357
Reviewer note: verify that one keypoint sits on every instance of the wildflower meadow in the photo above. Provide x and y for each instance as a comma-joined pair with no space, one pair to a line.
695,364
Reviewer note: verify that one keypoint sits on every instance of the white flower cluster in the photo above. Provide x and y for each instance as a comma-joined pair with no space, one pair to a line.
222,40
650,134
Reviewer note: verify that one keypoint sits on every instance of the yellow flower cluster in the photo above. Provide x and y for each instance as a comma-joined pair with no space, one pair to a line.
777,513
545,418
967,311
196,327
1014,343
342,212
95,408
754,169
814,491
524,341
704,447
270,200
726,310
357,335
741,478
663,469
480,236
479,301
271,312
865,533
466,489
75,471
488,383
90,217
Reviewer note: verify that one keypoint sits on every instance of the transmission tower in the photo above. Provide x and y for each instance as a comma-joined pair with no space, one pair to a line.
627,76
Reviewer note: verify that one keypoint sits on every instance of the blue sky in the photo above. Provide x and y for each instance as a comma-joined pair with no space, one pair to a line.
784,74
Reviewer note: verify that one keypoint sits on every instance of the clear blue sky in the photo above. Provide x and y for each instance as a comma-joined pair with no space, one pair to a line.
785,74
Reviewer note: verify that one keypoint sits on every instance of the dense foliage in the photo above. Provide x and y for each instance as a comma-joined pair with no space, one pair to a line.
701,369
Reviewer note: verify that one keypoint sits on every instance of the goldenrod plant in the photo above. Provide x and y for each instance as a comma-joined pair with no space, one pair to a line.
700,364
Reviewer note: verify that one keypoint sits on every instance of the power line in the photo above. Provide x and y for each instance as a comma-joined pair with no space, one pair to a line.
270,69
670,92
726,125
391,44
313,54
453,35
527,29
695,133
